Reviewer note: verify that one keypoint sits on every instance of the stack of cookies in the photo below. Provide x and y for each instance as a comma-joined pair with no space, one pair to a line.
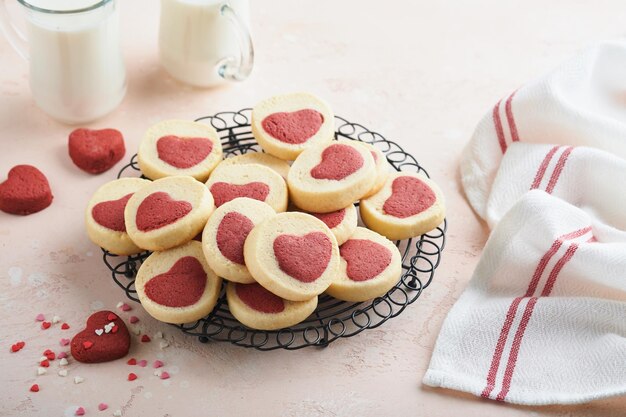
280,225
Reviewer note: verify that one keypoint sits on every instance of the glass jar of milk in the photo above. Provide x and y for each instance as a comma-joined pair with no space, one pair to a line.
77,72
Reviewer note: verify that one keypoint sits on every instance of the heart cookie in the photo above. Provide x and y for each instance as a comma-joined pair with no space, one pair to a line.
179,147
105,338
104,217
25,191
293,255
332,176
167,212
96,151
288,124
407,206
177,285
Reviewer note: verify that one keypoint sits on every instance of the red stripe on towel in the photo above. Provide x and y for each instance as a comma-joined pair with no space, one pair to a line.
498,124
543,167
558,169
510,118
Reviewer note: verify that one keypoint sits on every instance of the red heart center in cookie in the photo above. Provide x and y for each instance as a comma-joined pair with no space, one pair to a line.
96,151
158,210
258,298
338,161
409,196
91,347
304,258
332,219
110,214
25,191
181,286
365,259
223,192
293,128
183,152
231,235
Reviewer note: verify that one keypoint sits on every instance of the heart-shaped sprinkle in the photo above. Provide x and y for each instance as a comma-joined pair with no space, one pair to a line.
63,362
99,332
45,363
365,259
41,370
34,388
231,236
56,319
63,372
133,319
96,151
184,152
80,411
65,326
25,191
294,127
304,258
17,346
224,192
142,363
65,342
79,379
158,335
409,196
163,344
49,354
117,413
110,214
338,162
332,219
102,406
258,298
132,361
89,349
157,364
183,285
125,307
145,338
40,317
132,376
114,329
62,355
87,344
158,210
111,317
164,375
46,325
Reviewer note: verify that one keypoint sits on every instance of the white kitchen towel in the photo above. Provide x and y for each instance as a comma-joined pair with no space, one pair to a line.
543,320
581,103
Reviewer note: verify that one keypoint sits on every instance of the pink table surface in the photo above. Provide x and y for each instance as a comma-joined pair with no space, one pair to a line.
421,73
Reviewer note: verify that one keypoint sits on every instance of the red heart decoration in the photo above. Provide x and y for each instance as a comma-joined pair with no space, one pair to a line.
304,258
183,152
294,127
25,191
332,219
409,196
258,298
88,347
158,210
181,286
338,161
96,151
223,192
110,214
231,235
365,259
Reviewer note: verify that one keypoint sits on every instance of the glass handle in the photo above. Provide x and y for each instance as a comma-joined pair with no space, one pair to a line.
15,37
237,68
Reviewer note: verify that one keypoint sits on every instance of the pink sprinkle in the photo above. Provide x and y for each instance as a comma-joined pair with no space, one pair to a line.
157,364
142,363
64,342
80,411
164,375
134,319
40,317
125,307
102,406
62,355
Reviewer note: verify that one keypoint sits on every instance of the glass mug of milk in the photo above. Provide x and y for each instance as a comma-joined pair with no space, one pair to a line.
77,72
206,42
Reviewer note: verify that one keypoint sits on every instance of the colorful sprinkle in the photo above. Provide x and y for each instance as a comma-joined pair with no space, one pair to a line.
65,326
132,361
63,362
78,379
164,375
46,325
49,354
63,372
102,406
80,411
145,338
17,346
40,317
62,355
163,344
157,364
134,319
126,307
41,370
114,329
34,388
158,335
111,317
117,413
44,363
142,363
56,319
64,342
99,332
132,376
87,344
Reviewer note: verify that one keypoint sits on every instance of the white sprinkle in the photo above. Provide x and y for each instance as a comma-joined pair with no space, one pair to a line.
157,373
78,379
119,305
63,372
117,413
99,332
163,344
43,358
63,362
158,335
56,319
137,331
41,370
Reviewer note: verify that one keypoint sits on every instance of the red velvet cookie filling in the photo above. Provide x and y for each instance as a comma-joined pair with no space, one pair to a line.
332,219
365,259
258,298
110,214
293,128
181,286
89,347
338,161
25,191
231,235
183,152
158,210
409,196
224,192
304,258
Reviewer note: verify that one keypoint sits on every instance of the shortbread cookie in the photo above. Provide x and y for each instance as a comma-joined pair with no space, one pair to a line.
286,125
104,217
332,176
168,212
225,233
341,222
96,151
407,206
293,255
281,167
382,169
179,147
177,285
370,266
249,180
25,191
258,308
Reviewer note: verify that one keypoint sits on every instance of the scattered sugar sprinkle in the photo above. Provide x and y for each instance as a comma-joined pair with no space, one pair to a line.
45,325
62,355
145,338
102,406
164,344
41,370
63,372
158,335
164,375
137,331
78,379
40,317
157,364
34,388
64,342
65,326
117,413
132,376
56,319
63,362
134,319
142,363
80,411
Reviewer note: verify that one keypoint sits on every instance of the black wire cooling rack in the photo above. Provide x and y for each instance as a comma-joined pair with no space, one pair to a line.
333,319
